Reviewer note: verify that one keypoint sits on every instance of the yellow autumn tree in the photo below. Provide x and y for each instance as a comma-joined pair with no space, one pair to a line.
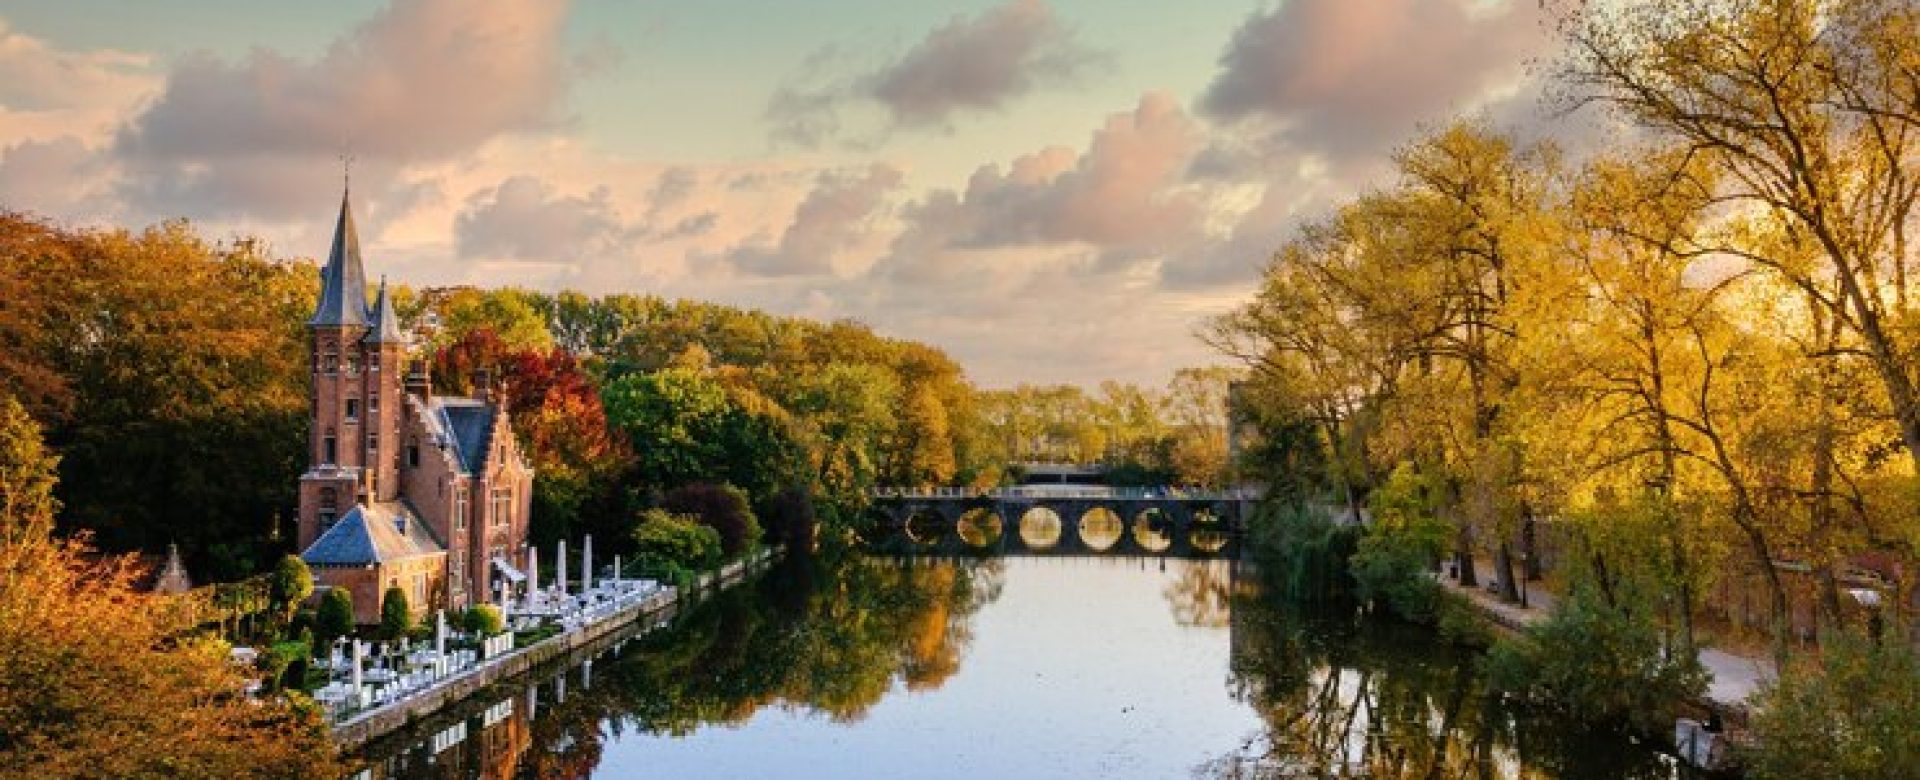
98,680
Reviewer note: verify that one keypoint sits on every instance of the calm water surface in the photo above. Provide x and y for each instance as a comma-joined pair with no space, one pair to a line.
1017,667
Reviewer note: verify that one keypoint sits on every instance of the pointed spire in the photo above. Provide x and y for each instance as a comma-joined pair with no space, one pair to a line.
343,285
386,326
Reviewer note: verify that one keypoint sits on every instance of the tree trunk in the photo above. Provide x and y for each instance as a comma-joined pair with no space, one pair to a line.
1503,574
1529,548
1463,559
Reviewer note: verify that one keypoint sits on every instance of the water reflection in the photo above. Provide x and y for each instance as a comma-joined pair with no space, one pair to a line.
1345,695
1068,666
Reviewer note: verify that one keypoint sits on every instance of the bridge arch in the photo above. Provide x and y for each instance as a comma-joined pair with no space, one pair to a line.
1041,528
981,527
1153,530
1101,528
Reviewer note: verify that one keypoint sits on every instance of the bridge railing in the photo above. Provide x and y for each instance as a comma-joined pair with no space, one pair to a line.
1092,492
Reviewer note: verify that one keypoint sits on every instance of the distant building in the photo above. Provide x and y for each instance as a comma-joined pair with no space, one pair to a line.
404,489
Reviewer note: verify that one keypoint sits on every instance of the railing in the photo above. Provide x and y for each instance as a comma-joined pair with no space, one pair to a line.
1093,492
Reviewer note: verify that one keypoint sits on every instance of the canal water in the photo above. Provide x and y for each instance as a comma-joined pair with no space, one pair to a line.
1007,667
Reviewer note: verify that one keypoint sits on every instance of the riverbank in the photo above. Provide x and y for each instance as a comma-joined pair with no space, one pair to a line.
1736,676
374,723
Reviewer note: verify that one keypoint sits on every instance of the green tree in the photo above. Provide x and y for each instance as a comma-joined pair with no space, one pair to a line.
292,583
680,540
396,617
723,508
334,618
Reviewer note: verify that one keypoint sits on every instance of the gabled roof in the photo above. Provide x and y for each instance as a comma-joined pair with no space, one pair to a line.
467,424
343,285
386,326
372,534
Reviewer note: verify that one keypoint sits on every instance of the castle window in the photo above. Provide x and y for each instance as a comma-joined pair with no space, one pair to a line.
353,363
326,519
353,410
373,446
459,509
502,507
413,455
329,363
373,406
329,450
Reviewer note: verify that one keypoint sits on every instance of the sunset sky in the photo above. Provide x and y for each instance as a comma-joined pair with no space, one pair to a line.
1052,191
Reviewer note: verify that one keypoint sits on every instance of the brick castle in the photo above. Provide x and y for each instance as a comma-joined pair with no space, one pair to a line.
404,489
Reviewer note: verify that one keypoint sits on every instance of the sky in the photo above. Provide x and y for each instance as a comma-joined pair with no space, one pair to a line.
1059,191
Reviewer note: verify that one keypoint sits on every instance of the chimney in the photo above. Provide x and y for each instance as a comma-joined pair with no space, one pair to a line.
483,385
418,383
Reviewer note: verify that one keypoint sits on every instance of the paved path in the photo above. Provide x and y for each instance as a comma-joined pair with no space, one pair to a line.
1735,676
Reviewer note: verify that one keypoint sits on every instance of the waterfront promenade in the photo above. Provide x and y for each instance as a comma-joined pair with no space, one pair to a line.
365,725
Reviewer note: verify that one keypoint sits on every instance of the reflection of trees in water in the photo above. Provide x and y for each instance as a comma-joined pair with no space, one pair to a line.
1347,695
1202,594
829,640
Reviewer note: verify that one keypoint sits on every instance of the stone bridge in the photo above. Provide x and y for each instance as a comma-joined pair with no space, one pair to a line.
1065,520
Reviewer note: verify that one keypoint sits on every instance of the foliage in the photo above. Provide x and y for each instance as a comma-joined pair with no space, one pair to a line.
1600,661
720,507
334,618
1303,554
1394,560
680,540
484,619
291,584
396,617
1852,712
284,664
215,331
144,699
791,521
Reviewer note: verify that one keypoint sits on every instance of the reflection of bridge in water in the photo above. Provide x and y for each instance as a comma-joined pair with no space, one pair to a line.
1063,519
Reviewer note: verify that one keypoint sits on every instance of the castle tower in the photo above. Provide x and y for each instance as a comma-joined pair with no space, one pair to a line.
337,478
385,350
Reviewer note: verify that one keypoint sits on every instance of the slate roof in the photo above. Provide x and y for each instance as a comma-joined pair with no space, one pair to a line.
467,424
370,534
343,285
386,326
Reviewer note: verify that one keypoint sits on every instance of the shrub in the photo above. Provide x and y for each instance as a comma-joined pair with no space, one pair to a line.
1854,711
335,617
723,508
483,619
1393,561
1303,554
1603,662
395,615
677,540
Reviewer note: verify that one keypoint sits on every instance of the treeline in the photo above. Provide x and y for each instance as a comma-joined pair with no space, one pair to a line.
170,373
1691,359
624,398
1145,437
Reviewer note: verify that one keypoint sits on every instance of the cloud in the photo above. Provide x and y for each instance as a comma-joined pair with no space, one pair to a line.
978,63
835,217
1349,79
38,77
61,176
421,80
524,219
1123,195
